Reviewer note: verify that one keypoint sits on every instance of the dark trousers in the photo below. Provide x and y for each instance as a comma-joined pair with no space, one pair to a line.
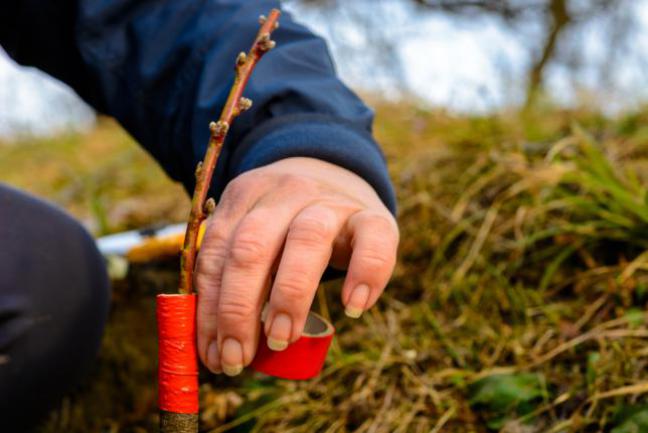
54,298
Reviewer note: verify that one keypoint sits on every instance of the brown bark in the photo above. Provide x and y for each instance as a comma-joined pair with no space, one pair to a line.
178,422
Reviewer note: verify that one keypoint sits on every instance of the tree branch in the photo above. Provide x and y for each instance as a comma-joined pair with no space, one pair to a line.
234,106
560,19
503,8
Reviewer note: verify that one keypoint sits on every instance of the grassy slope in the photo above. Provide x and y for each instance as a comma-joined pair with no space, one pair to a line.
517,304
102,178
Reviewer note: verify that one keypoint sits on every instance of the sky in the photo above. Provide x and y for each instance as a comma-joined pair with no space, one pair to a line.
466,66
479,64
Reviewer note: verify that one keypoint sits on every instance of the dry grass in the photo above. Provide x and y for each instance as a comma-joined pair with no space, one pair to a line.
102,178
517,305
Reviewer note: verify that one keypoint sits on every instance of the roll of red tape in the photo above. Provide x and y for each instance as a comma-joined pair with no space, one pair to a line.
302,359
177,354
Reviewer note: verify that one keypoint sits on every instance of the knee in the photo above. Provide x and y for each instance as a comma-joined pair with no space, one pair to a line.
47,252
53,263
59,292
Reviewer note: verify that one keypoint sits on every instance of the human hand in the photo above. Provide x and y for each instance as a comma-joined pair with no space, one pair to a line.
292,218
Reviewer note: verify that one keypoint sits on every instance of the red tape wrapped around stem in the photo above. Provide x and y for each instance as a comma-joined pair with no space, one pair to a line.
178,360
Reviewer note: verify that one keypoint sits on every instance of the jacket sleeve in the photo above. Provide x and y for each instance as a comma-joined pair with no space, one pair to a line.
163,70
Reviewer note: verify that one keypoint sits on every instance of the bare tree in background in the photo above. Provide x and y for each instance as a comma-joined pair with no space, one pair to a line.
558,19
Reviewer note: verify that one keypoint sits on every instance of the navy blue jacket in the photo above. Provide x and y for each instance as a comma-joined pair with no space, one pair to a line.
163,70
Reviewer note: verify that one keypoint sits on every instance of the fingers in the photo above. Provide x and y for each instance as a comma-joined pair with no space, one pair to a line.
374,242
246,264
291,224
307,251
237,199
252,251
208,277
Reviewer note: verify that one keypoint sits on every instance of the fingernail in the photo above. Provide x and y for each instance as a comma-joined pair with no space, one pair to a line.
212,357
357,301
232,357
280,331
277,345
264,312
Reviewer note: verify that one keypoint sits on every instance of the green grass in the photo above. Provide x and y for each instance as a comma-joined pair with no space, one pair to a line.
517,304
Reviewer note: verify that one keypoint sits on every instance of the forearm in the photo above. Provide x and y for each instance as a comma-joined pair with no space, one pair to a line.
163,70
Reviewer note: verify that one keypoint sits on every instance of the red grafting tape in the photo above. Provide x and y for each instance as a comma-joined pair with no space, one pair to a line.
177,355
302,359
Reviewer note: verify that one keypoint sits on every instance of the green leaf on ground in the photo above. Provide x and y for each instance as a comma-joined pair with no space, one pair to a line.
631,420
502,397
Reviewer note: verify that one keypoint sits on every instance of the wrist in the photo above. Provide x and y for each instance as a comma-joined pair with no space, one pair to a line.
319,137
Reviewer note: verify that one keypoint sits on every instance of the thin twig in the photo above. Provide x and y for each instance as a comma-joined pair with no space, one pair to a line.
234,106
637,388
593,334
444,419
